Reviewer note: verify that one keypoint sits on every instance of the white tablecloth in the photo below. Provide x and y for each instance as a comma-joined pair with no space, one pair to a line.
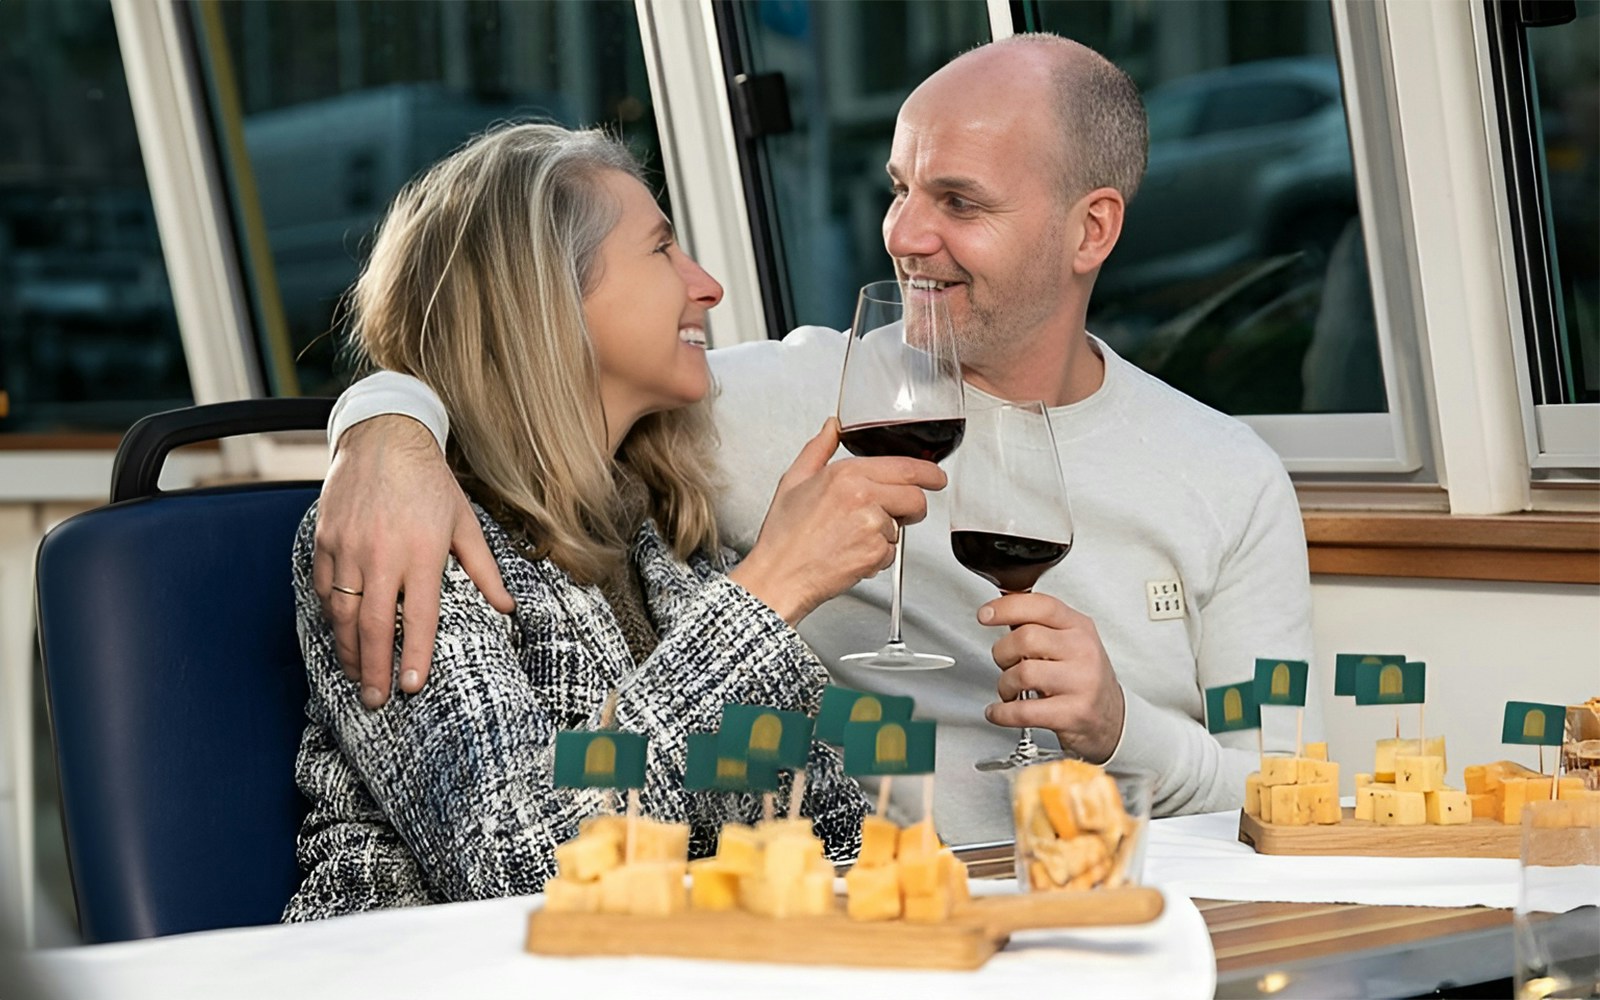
475,950
1201,857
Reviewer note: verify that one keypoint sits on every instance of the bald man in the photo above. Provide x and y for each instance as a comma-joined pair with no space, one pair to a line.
1011,169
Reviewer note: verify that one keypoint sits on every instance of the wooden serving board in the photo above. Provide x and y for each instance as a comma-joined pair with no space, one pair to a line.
965,941
1482,838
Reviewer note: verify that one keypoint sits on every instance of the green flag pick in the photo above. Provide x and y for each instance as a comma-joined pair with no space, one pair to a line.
889,747
1533,724
767,736
705,769
1391,683
1232,707
1344,669
841,705
605,758
1281,682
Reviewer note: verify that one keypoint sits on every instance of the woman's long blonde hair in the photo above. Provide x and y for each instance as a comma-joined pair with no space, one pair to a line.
475,286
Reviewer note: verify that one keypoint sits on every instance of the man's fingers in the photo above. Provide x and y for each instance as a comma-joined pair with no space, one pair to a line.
1022,713
375,630
420,612
1045,677
1022,609
473,553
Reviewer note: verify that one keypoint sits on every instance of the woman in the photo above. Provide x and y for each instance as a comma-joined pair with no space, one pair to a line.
531,281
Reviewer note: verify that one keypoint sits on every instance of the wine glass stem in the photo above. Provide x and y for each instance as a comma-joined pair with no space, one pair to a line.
899,576
1025,745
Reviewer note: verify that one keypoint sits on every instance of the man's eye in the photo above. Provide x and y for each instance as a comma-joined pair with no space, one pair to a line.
959,204
898,190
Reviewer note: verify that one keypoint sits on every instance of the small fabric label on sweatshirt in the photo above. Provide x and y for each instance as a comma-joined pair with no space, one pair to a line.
1165,599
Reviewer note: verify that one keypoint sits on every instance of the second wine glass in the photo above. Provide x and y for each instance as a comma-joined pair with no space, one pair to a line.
901,394
1009,518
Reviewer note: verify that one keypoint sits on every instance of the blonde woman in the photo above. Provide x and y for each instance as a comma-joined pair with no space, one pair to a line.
532,283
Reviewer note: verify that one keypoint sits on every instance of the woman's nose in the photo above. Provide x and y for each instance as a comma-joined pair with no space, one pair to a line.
702,287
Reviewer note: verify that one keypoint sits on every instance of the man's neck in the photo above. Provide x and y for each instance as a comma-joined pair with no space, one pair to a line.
1059,370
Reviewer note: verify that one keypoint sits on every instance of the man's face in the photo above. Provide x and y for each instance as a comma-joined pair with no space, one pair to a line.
978,209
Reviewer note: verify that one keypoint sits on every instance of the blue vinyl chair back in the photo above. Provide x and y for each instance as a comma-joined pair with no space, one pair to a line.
177,691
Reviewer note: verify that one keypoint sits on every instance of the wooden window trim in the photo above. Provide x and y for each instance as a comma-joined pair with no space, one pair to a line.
1525,548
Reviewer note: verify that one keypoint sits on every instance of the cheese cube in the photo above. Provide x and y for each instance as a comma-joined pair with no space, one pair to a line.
655,888
816,895
739,848
1266,804
655,841
918,838
929,908
809,895
922,874
1448,807
1287,807
713,885
873,893
1363,779
1485,805
1280,771
955,879
1571,786
1314,772
1518,791
587,856
1324,802
787,858
567,896
1475,777
1487,777
1053,798
1399,808
1316,751
1384,760
614,890
1252,794
1364,802
878,838
1418,774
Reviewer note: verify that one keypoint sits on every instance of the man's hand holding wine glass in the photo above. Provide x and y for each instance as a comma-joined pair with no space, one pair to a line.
830,525
1056,651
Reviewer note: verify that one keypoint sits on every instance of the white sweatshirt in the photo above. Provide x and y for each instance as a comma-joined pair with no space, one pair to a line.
1162,489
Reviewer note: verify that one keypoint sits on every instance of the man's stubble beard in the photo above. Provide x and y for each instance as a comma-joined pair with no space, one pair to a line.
1000,328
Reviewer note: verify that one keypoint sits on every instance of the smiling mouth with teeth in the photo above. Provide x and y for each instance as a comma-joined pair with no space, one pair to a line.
692,335
929,285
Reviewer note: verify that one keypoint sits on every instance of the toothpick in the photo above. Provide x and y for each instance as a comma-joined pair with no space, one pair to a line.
766,807
1422,730
608,711
927,797
1556,780
1541,758
1261,750
883,796
797,792
1397,725
633,815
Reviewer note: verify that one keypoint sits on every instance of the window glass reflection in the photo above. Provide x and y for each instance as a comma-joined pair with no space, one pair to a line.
325,108
1241,276
1566,69
88,338
847,66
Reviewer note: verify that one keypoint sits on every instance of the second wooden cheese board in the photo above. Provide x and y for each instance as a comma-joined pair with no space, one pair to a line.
965,941
1482,838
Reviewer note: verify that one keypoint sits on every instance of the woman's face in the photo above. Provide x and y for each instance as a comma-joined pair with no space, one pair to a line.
647,314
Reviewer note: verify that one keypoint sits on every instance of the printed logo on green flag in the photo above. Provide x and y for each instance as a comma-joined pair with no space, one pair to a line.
1533,723
1344,669
766,736
889,747
705,769
1391,683
1232,707
1281,682
600,759
842,705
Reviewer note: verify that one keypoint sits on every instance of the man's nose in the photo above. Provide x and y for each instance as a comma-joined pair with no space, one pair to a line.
910,229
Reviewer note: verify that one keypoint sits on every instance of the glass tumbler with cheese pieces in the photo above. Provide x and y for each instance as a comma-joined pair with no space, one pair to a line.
1078,827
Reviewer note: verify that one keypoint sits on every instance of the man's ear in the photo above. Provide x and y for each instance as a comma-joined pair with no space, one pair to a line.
1100,213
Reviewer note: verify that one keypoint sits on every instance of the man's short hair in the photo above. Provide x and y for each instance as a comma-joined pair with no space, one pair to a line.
1105,137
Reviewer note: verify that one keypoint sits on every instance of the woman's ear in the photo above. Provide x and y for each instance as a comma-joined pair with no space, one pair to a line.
1100,212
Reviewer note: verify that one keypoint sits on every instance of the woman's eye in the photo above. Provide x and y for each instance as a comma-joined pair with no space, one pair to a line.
663,247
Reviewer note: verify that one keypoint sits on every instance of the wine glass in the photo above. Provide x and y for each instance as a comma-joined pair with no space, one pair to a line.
1009,519
901,394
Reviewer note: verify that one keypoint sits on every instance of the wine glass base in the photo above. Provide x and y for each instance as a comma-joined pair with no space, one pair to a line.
1017,759
898,657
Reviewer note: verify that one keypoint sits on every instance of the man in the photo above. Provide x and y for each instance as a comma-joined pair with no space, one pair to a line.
1011,169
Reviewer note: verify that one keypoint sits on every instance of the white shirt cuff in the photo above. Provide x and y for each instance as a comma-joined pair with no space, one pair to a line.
383,393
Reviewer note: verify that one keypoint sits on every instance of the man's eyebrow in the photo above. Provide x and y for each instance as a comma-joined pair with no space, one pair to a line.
663,231
957,183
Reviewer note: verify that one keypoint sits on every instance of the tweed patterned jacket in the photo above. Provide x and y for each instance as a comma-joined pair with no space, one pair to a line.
447,794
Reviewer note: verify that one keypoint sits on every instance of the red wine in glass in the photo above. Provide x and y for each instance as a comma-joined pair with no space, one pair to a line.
1010,562
929,440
